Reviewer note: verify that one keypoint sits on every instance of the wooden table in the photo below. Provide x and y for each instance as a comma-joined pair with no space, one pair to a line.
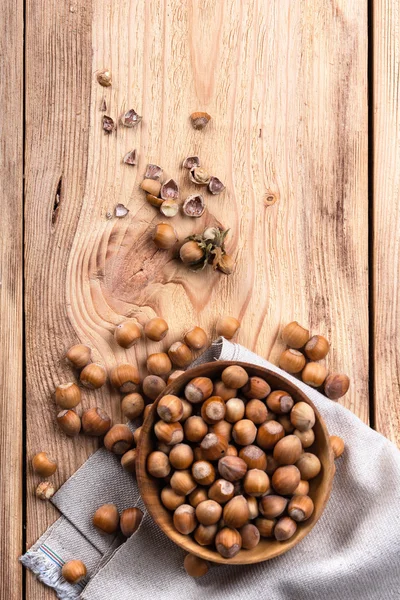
287,85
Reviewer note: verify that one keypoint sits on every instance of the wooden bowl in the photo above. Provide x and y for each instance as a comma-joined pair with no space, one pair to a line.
320,487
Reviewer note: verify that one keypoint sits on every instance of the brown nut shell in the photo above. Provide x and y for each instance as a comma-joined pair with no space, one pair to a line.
93,376
69,422
127,334
228,542
106,518
95,422
125,378
118,439
156,329
294,335
130,520
67,395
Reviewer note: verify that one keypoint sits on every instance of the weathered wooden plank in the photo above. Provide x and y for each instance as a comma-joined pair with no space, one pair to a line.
386,217
11,277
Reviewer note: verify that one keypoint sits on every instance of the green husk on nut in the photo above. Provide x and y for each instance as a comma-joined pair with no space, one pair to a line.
211,250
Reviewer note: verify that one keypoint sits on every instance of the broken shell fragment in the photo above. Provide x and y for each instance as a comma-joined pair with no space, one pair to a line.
169,190
131,158
199,119
108,124
153,172
130,118
104,78
194,206
169,208
215,185
199,176
191,162
121,211
154,201
103,105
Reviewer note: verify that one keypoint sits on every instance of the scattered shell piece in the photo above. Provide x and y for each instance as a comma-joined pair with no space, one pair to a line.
121,211
191,162
199,119
130,118
169,190
45,490
104,78
131,158
108,215
153,172
194,206
154,200
199,176
108,124
215,185
103,105
169,208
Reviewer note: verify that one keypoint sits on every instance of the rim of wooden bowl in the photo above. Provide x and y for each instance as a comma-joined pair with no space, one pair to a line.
320,487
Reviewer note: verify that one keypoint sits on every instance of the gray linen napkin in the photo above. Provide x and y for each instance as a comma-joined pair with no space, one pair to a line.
353,552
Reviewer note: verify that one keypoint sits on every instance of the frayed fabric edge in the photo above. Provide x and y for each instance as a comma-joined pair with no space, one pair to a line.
50,574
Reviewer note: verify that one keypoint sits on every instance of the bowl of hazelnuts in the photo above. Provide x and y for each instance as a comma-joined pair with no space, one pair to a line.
234,463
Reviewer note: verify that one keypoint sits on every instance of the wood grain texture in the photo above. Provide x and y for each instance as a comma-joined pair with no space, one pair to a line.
11,276
286,87
386,218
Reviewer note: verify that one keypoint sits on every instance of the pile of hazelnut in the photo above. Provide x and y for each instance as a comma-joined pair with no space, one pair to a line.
301,346
235,459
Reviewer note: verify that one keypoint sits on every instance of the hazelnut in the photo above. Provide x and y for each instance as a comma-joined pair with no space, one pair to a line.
185,519
253,507
265,527
69,422
95,422
106,518
228,542
156,329
208,512
232,468
269,434
171,499
93,376
221,491
136,435
302,489
164,448
151,186
236,512
336,385
272,506
234,376
272,465
317,347
130,520
198,389
254,457
198,495
158,464
256,411
195,429
196,338
132,406
337,445
306,437
187,410
43,465
314,374
125,378
168,433
104,79
199,176
280,402
231,451
309,465
199,119
154,200
256,483
285,529
191,253
181,456
286,423
127,334
300,508
74,571
224,392
159,364
78,356
68,395
180,354
205,534
294,335
213,410
222,428
288,450
302,416
118,439
195,566
292,361
213,446
164,236
128,461
170,408
169,208
256,388
182,482
286,479
227,327
244,432
250,536
204,474
45,490
153,386
235,409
